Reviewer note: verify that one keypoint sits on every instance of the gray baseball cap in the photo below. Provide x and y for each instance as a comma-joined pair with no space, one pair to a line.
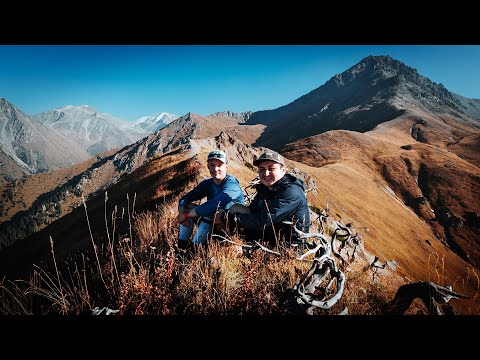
269,155
218,154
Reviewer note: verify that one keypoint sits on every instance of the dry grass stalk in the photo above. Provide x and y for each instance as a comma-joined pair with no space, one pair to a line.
93,243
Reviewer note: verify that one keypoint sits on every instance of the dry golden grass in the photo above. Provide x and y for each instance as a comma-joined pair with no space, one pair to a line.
144,274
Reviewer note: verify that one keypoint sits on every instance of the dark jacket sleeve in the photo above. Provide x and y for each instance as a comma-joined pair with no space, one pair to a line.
286,202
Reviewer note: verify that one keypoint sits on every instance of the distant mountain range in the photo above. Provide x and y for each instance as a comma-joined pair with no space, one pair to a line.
33,146
381,145
64,136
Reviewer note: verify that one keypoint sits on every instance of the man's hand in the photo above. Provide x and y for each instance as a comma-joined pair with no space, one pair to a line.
183,216
182,219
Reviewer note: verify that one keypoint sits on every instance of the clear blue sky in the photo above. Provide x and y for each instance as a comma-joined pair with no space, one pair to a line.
133,81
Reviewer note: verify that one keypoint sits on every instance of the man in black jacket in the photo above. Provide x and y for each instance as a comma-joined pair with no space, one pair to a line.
280,196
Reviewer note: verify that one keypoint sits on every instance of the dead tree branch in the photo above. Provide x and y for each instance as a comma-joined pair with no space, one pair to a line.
224,239
261,247
344,235
306,288
322,218
251,185
103,311
376,265
256,246
309,290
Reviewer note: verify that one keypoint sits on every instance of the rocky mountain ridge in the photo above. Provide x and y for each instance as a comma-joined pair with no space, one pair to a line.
375,90
62,137
32,145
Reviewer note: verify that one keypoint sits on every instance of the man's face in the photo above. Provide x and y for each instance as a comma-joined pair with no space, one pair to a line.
218,169
270,172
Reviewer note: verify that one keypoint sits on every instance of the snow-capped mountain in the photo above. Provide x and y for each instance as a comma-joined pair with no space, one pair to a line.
153,123
93,131
31,146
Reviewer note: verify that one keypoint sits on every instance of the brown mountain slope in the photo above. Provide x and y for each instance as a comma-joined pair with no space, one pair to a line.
9,169
467,148
71,233
433,183
24,191
210,126
446,174
390,229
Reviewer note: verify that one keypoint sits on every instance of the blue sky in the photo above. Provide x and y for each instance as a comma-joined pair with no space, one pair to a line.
131,81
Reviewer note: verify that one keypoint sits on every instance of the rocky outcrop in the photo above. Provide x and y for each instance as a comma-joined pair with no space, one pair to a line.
241,117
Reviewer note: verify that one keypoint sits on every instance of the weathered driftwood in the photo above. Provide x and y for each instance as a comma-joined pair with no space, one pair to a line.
432,295
376,265
344,235
256,246
307,288
251,185
260,246
308,293
322,218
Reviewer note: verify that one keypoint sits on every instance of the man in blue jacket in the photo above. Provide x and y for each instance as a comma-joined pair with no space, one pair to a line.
221,190
280,196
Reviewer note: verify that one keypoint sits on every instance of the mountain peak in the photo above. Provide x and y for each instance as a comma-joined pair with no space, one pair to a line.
7,106
84,108
378,59
153,123
389,76
380,67
384,62
377,89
